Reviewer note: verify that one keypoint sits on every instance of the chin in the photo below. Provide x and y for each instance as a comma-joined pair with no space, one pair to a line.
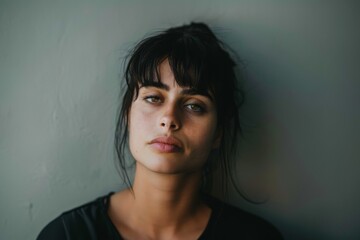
164,165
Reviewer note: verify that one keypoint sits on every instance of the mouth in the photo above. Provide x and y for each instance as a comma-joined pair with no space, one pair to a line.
166,144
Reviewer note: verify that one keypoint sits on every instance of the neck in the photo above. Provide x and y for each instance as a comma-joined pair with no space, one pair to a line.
161,206
165,198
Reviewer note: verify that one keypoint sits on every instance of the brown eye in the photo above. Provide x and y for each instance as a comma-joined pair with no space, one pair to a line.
152,99
195,108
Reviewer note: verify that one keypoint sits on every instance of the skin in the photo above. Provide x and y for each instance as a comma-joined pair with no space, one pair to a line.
165,203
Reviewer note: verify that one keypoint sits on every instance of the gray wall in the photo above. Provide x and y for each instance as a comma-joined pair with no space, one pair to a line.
59,92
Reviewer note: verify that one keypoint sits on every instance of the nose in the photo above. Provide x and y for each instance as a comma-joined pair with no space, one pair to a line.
170,120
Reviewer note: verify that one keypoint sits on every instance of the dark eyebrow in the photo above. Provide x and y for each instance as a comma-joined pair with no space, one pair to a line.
188,91
193,91
156,85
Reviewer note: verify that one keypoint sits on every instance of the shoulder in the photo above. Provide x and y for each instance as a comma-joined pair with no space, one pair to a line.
228,221
79,223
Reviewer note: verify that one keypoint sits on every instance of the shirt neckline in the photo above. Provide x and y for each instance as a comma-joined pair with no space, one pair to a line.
104,203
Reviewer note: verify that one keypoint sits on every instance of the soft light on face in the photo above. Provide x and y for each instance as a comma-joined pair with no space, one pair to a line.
172,129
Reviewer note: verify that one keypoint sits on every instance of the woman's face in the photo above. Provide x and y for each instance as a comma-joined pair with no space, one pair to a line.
172,129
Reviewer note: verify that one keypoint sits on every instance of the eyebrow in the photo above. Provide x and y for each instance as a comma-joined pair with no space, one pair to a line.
188,91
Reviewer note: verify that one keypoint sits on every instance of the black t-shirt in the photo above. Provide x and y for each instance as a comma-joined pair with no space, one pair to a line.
91,222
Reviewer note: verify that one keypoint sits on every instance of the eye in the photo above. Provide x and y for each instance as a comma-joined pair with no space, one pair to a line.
152,99
195,108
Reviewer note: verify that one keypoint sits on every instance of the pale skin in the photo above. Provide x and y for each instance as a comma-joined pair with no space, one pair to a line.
165,202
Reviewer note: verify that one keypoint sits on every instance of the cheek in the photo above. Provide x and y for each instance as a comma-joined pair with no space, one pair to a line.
201,142
203,135
137,118
139,127
135,128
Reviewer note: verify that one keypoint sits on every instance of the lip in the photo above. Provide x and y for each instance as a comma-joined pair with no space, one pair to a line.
166,144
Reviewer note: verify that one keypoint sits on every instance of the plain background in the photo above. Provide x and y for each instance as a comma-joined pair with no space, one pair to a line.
60,71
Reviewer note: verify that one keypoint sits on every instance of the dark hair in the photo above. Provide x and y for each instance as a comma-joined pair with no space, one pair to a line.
198,59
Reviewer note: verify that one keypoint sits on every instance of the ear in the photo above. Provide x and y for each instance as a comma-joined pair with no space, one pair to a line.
217,139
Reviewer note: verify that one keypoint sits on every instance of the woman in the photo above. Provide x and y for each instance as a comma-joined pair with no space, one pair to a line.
179,118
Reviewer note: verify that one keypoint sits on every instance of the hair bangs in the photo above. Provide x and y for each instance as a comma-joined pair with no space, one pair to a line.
189,64
187,58
143,66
